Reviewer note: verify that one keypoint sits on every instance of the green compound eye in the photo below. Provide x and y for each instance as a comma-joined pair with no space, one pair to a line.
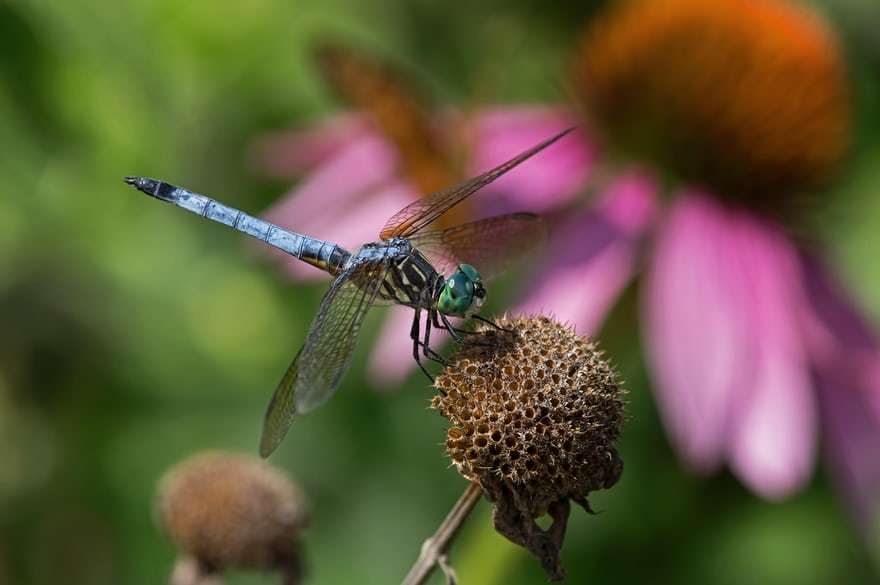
463,292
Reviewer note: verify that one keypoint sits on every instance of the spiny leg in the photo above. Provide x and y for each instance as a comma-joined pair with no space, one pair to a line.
452,329
490,323
437,317
426,344
457,333
416,339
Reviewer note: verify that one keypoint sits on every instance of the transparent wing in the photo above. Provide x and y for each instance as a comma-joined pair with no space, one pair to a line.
317,369
421,213
490,245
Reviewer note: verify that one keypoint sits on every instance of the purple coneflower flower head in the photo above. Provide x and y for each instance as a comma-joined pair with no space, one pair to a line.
736,111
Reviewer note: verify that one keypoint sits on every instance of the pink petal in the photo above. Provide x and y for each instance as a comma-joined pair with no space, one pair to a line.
550,178
341,192
847,356
773,439
355,224
290,153
851,422
835,330
696,337
360,167
392,357
592,257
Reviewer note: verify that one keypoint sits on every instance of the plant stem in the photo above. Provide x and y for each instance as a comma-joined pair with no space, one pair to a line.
435,547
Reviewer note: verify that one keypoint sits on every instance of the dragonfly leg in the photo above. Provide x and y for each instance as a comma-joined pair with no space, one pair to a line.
449,327
426,345
416,339
455,332
490,323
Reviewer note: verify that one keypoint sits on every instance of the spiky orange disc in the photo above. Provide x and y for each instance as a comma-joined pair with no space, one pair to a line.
747,96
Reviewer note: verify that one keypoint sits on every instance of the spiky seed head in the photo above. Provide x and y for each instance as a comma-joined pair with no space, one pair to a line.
535,413
232,510
749,97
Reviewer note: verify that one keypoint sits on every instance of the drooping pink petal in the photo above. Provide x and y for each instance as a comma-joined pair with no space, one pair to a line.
592,257
697,340
834,329
846,354
774,431
851,423
289,154
547,180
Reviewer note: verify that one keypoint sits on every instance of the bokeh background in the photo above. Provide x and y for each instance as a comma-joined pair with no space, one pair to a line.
132,334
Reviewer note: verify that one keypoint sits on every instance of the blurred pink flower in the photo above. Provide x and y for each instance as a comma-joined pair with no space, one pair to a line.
750,341
754,349
746,336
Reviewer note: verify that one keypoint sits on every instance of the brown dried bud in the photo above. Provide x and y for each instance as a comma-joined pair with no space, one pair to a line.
535,412
233,511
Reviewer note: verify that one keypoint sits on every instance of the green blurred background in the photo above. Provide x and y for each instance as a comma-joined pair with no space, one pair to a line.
132,335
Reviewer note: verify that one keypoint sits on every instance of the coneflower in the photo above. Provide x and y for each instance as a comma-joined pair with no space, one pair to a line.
743,107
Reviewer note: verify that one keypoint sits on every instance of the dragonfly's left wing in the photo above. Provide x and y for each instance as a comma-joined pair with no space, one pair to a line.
419,214
490,245
315,373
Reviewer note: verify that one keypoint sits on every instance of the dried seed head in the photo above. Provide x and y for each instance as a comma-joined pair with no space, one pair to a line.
535,412
748,96
233,511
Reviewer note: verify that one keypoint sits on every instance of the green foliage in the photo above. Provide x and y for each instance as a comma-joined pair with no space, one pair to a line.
133,335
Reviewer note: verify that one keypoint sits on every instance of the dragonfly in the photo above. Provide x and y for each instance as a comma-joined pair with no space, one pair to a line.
439,273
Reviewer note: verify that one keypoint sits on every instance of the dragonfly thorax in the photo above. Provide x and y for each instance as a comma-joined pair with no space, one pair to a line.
410,279
463,293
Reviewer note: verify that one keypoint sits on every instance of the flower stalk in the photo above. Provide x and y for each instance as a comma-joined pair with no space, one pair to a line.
434,549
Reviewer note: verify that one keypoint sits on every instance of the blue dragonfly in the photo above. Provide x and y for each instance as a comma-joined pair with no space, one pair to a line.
439,273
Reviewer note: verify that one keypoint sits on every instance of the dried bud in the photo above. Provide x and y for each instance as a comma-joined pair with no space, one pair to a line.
535,412
229,510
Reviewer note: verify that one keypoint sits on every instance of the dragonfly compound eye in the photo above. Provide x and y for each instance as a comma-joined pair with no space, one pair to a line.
462,293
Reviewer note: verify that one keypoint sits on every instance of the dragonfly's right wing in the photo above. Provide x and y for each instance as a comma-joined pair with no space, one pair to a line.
491,245
315,373
422,212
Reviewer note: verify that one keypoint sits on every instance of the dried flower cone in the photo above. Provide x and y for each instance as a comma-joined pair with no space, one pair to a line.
535,412
232,511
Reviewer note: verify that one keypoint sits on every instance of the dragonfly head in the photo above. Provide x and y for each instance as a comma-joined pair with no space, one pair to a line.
463,293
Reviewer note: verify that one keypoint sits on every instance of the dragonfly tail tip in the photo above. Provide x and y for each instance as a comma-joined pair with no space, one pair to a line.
151,187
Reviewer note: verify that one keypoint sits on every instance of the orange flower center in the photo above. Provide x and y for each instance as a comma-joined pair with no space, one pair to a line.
747,96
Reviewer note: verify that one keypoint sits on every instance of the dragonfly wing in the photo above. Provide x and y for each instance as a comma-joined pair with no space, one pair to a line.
279,415
315,373
421,213
491,245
